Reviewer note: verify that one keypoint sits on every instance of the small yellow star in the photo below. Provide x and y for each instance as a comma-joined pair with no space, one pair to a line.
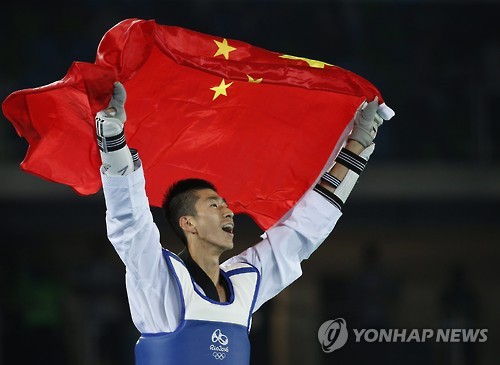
223,49
221,89
254,81
311,63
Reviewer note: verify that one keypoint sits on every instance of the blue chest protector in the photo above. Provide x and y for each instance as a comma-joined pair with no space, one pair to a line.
209,332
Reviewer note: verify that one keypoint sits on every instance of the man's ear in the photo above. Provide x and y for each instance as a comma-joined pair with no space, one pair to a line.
187,223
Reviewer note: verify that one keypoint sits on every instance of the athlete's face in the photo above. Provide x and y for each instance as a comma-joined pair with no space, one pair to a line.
213,221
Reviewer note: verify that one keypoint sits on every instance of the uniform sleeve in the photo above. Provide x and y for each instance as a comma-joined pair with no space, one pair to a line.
279,255
151,287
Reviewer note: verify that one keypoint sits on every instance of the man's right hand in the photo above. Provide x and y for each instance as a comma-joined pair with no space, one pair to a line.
117,102
366,123
110,122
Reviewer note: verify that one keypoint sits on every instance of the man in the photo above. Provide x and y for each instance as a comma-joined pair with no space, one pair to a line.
190,309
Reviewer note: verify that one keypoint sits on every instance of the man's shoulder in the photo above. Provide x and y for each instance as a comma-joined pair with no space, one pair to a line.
231,267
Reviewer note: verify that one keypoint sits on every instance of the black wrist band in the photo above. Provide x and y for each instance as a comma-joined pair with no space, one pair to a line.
329,196
110,144
332,180
135,154
351,160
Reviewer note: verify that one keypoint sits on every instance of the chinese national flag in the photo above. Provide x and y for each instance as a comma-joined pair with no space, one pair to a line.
260,125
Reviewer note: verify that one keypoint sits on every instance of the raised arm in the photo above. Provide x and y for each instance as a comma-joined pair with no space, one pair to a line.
279,255
153,295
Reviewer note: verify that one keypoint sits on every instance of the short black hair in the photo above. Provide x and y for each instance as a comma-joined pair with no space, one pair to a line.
180,200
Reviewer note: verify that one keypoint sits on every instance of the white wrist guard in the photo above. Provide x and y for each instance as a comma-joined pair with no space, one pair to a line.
117,163
356,165
115,154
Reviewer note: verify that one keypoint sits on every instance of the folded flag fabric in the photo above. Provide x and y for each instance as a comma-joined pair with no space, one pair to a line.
258,124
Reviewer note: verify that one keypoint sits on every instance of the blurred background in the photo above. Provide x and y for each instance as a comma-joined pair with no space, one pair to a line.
417,247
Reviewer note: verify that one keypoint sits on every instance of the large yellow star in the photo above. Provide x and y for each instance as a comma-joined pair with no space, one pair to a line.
311,63
221,89
223,48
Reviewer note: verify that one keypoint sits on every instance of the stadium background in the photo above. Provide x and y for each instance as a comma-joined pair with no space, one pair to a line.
418,246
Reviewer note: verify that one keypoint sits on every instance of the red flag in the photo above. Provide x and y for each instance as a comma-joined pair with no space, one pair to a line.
260,125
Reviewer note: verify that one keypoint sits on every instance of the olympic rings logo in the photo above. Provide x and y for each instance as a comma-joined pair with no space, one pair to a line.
219,355
219,345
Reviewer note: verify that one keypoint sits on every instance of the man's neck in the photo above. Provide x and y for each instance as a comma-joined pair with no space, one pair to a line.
205,271
208,263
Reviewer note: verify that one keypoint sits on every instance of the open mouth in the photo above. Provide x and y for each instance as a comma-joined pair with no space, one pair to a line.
228,227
